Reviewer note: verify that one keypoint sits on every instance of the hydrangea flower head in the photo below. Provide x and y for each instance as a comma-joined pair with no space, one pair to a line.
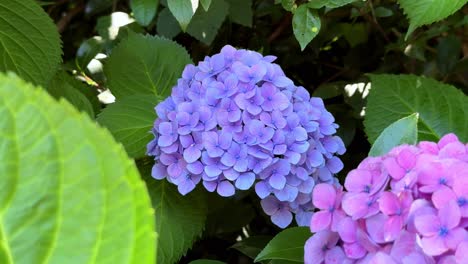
408,206
236,122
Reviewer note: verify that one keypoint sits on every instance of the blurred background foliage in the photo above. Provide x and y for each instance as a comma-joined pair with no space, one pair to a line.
348,42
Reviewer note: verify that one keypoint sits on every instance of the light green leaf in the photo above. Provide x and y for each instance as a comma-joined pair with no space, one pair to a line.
206,261
402,131
205,4
183,11
251,246
87,51
205,24
442,108
29,41
240,12
287,245
424,12
328,3
64,86
145,64
306,25
130,120
144,10
167,25
180,220
289,5
70,194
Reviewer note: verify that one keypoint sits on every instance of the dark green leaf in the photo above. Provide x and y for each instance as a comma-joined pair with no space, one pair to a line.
29,41
183,11
442,108
383,12
287,245
402,131
306,25
144,10
145,64
205,4
329,3
329,90
240,12
448,53
355,34
251,246
87,51
130,120
179,219
167,25
69,194
205,24
423,12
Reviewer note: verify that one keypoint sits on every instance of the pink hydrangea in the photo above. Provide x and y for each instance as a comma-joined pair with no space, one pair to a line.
408,206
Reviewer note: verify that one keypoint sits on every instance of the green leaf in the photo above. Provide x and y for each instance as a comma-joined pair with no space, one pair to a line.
448,53
402,131
251,246
383,12
355,34
442,108
145,64
29,41
179,219
287,245
205,4
167,25
206,261
289,5
205,24
87,51
424,12
240,12
328,3
70,194
183,11
64,86
144,10
130,120
306,25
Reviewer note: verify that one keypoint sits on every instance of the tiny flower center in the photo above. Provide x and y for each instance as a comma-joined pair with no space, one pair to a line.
462,201
443,231
331,209
442,181
367,189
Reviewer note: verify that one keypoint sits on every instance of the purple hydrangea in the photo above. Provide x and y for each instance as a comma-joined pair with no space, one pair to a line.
408,206
236,121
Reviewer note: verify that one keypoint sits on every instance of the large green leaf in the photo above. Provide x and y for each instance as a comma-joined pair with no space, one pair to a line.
130,121
442,108
69,194
167,25
183,11
179,219
402,131
240,12
144,10
423,12
29,41
145,64
306,25
287,245
205,24
329,3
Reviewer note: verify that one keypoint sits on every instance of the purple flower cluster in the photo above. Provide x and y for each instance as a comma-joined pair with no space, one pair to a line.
408,206
235,121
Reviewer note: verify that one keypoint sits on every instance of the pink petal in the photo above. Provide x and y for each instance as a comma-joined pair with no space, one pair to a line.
389,203
407,159
334,255
450,215
441,197
461,254
404,245
455,237
354,250
374,226
357,179
337,216
313,252
449,138
380,258
347,230
427,225
393,168
355,204
392,228
433,246
324,196
320,221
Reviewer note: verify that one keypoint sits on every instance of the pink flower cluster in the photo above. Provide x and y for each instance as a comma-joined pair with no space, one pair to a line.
408,206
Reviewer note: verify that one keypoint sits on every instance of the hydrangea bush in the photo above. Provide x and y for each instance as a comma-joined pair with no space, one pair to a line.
236,121
408,206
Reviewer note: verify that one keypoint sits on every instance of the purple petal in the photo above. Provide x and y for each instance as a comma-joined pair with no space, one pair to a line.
186,186
389,203
427,225
320,220
354,250
225,189
210,185
195,167
433,246
282,218
450,215
282,81
277,181
270,205
212,170
192,154
355,205
158,171
324,196
262,189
